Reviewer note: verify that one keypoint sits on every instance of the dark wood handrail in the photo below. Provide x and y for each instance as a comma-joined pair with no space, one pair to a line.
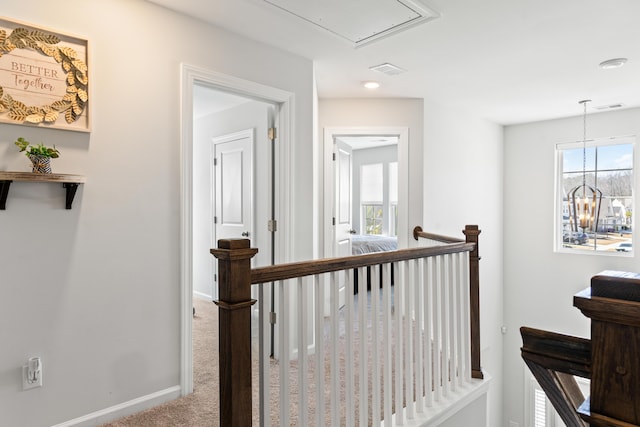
554,359
417,233
562,353
327,265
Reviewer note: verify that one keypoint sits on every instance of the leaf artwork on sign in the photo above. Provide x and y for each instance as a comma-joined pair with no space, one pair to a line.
76,97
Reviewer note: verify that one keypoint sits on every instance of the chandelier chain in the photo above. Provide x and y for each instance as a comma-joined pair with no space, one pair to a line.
584,144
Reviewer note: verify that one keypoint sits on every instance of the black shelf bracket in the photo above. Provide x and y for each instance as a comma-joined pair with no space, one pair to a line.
4,192
71,192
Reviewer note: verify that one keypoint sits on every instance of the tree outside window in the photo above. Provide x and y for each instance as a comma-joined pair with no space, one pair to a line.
373,219
371,198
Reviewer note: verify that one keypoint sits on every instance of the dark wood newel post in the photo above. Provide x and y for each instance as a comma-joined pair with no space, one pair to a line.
234,279
471,232
613,305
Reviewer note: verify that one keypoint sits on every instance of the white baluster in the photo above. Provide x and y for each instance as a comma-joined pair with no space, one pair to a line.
349,359
335,386
375,322
437,327
303,399
264,352
319,328
283,332
418,334
400,314
363,390
386,307
428,273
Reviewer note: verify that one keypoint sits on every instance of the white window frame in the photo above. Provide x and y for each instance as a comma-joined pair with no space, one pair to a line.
559,194
531,404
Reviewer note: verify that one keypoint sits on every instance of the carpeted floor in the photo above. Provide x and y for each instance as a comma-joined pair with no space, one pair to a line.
199,409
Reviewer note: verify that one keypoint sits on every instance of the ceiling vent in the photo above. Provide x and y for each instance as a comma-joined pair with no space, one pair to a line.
360,21
388,69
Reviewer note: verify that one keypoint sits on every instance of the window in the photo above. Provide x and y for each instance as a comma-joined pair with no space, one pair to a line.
371,198
609,167
539,412
393,198
372,215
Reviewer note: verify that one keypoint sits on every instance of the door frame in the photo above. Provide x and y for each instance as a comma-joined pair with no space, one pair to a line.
285,119
329,134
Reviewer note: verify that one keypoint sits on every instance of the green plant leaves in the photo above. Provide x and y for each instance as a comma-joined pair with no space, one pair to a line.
37,150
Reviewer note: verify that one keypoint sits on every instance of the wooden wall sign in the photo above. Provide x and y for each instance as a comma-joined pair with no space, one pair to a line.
44,77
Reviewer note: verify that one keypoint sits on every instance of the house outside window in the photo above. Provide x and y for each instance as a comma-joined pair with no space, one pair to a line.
609,166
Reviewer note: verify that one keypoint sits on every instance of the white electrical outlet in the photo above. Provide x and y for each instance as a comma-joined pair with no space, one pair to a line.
32,374
513,424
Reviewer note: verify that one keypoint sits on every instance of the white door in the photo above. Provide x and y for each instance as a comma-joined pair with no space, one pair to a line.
343,193
233,189
343,229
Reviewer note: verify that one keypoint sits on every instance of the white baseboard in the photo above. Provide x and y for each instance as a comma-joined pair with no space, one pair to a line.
124,409
202,296
449,406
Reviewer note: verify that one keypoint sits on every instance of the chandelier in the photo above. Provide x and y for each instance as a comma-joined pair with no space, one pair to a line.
584,200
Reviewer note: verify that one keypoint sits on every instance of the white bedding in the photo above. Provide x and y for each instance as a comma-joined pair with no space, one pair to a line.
364,244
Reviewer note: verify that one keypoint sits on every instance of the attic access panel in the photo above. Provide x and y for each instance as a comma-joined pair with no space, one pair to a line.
359,21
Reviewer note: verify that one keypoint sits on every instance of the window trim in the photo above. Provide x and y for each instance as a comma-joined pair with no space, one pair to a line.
559,195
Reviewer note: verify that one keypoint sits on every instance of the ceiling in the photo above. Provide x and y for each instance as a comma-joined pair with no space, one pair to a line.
361,142
209,101
504,60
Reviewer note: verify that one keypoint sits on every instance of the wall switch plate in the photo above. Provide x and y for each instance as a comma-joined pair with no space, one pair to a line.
513,424
26,385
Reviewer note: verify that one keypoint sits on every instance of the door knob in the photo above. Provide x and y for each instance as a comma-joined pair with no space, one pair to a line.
352,231
245,234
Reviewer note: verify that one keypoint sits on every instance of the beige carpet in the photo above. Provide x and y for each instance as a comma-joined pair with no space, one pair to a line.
199,409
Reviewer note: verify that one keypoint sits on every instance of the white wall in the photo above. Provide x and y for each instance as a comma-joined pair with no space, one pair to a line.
378,112
539,283
96,292
463,168
252,115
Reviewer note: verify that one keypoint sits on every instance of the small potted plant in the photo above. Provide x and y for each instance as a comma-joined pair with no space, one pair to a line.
39,155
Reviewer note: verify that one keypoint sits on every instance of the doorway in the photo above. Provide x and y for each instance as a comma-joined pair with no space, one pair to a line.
233,195
387,212
346,219
194,178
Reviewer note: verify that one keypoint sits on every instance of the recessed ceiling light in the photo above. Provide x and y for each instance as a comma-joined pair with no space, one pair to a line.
613,63
371,85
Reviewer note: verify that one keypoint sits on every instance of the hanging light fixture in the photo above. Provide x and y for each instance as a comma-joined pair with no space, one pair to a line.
584,200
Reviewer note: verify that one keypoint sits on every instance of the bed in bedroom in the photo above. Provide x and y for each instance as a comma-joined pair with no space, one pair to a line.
364,244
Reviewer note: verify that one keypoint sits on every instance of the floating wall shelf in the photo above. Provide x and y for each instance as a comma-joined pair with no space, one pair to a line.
70,182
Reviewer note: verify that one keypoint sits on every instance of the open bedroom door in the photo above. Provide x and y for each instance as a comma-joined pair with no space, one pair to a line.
343,217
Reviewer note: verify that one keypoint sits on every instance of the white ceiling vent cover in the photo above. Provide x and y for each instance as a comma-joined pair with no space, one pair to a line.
388,69
360,21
